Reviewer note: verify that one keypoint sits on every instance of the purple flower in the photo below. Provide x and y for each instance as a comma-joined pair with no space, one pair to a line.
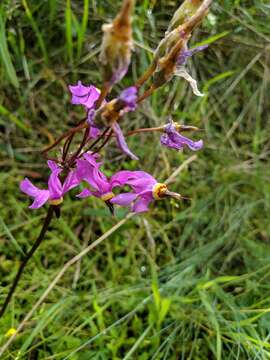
173,139
88,170
84,95
129,96
145,190
94,131
55,192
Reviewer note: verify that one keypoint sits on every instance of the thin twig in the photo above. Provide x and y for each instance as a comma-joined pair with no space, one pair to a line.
41,236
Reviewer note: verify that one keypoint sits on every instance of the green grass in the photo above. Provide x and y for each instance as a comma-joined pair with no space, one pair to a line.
186,281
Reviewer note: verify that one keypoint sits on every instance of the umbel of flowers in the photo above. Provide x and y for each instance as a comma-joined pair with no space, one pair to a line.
103,116
80,164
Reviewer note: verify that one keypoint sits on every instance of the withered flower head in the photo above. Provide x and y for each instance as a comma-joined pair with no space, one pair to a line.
117,45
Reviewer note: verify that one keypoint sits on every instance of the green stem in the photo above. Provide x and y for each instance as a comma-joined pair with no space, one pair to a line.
41,236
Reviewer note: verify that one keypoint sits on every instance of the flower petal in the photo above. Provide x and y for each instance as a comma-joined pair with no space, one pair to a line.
129,96
184,55
138,180
141,205
123,199
92,97
84,95
173,139
71,181
55,186
85,194
94,131
52,165
40,196
78,90
28,188
122,142
182,72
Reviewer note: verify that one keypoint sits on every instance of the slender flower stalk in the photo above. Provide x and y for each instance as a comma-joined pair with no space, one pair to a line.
28,256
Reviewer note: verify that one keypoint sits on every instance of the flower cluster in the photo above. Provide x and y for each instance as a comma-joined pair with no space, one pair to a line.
144,188
82,168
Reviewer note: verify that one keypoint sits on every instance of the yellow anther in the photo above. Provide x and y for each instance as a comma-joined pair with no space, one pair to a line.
159,191
10,332
108,196
56,202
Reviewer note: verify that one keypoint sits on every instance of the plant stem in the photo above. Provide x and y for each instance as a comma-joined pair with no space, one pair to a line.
41,236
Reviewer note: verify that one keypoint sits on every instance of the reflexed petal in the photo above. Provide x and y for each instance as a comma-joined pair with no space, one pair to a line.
55,186
141,205
182,72
94,131
120,178
138,180
92,160
53,165
129,96
85,194
40,199
28,188
166,141
40,196
173,139
71,181
88,170
122,142
184,55
102,184
123,199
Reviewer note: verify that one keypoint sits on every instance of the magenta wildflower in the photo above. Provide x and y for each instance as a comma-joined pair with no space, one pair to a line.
173,139
145,190
88,170
84,95
55,192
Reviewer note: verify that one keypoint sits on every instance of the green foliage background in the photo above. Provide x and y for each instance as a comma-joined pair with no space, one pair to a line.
185,281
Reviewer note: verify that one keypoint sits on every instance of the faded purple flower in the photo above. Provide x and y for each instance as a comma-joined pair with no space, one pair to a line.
185,54
84,95
56,190
94,131
181,70
129,96
173,139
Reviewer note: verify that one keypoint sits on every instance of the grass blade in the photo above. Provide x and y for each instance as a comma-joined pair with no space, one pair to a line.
4,54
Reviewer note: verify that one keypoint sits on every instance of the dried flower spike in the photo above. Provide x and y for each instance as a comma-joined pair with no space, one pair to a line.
117,45
184,13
